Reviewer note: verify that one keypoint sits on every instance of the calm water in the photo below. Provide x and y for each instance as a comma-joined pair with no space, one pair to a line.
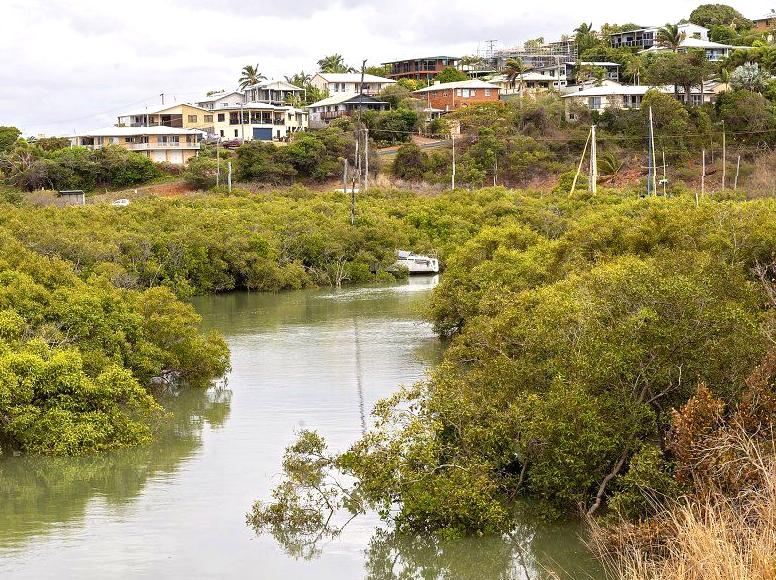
312,359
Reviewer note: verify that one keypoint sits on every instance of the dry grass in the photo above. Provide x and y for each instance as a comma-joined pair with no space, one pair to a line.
715,536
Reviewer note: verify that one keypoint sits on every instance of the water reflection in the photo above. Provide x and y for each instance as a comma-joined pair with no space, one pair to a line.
42,494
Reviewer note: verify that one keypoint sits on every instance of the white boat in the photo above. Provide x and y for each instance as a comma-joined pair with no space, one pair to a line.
417,264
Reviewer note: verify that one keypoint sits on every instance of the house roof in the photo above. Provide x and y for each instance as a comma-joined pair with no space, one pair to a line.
275,84
424,58
134,131
343,98
690,42
767,16
593,63
158,109
470,84
609,90
352,78
216,96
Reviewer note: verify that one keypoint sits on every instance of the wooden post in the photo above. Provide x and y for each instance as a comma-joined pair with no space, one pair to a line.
581,161
593,161
738,168
724,156
665,177
453,178
218,163
345,175
229,175
703,175
652,152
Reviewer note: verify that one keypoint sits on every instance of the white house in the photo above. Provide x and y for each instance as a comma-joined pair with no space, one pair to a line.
714,50
350,83
259,121
271,91
220,100
342,104
647,37
617,96
169,144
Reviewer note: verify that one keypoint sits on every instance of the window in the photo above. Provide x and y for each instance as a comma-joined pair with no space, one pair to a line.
458,92
127,139
235,132
222,132
487,92
208,118
594,102
192,118
221,117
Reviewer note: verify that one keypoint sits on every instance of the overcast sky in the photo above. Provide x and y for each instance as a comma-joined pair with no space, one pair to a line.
70,65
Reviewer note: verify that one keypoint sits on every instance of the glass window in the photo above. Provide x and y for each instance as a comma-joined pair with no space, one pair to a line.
594,102
221,117
208,118
487,92
192,118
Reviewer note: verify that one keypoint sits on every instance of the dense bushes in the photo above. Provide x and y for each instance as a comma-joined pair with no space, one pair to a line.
576,330
30,167
77,356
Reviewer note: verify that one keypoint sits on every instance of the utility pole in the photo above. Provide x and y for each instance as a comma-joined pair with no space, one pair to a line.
652,162
229,175
593,161
162,95
366,158
359,128
218,163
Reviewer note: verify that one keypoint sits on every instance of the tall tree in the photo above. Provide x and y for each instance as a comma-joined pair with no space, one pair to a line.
514,70
670,37
334,63
250,75
634,68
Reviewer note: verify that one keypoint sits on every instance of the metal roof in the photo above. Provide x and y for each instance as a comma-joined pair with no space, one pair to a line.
470,84
423,58
135,131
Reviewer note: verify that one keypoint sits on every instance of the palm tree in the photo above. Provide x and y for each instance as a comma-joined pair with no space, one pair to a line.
584,28
334,63
299,79
514,70
250,76
634,67
668,36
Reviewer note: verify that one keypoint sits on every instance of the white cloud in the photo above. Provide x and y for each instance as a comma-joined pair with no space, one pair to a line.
74,64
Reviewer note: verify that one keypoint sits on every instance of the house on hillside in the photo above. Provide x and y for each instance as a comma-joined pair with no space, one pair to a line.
765,22
420,69
452,96
160,143
647,37
570,70
617,96
181,116
343,104
259,121
714,50
350,83
275,92
220,100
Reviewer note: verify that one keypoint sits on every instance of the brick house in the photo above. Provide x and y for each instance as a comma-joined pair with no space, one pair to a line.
452,96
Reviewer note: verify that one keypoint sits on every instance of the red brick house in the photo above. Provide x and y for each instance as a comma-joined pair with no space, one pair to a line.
452,96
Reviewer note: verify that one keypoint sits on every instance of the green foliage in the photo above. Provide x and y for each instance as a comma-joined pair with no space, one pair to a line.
52,143
577,324
30,167
450,75
201,172
77,357
334,63
409,162
708,15
8,137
